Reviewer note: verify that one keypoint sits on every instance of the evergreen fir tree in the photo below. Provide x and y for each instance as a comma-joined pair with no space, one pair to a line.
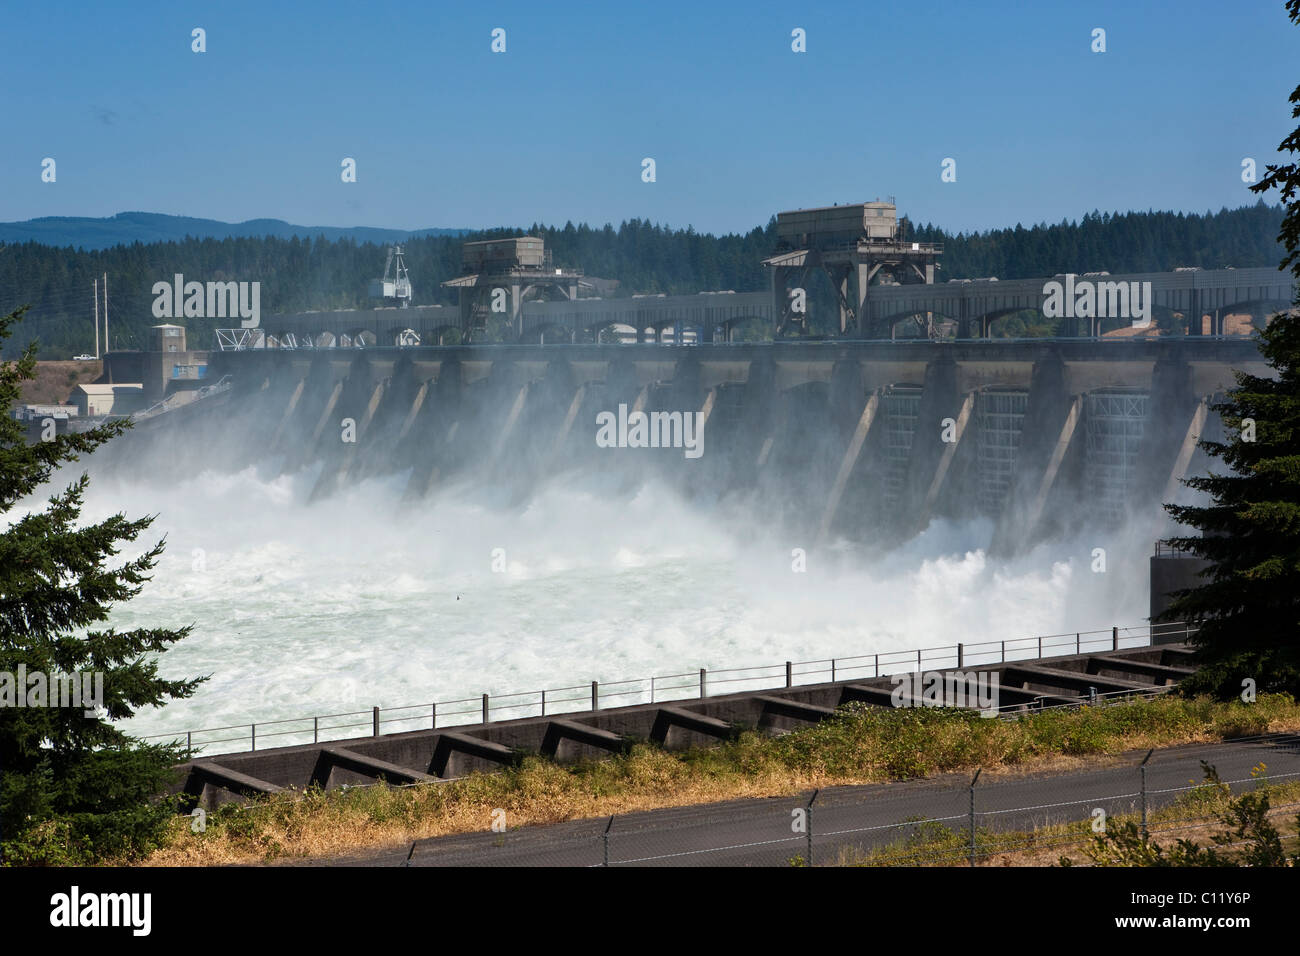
73,788
1248,608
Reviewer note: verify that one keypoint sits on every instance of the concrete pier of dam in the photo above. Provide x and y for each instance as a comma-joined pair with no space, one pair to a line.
835,439
426,756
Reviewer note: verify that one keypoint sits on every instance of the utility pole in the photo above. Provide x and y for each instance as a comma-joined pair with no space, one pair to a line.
96,296
107,347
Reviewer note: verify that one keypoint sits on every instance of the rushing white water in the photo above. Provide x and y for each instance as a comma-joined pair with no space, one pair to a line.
359,600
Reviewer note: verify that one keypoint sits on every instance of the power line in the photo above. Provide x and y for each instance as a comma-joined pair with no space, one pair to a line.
60,300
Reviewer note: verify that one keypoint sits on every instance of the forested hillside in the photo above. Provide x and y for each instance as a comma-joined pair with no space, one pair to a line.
297,274
88,232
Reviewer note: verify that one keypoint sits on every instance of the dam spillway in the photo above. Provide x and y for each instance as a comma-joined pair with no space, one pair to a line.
843,439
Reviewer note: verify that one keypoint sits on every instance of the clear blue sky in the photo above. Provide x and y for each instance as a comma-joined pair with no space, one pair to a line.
447,133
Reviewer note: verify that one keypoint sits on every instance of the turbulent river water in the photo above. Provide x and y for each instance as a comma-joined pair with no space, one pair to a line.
360,600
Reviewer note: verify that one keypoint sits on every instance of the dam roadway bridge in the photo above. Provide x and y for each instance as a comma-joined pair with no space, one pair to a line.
964,309
861,440
712,316
975,304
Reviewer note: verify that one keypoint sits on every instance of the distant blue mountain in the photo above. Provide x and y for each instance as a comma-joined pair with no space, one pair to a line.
128,227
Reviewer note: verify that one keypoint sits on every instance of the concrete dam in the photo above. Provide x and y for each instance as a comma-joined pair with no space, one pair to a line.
865,441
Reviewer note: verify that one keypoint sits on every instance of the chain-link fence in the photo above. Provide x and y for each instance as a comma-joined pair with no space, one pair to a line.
982,819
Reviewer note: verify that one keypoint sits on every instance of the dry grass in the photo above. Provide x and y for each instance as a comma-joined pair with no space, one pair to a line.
337,823
860,746
55,381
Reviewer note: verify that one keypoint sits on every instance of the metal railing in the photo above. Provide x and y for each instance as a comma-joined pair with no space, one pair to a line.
689,685
881,244
219,387
1165,549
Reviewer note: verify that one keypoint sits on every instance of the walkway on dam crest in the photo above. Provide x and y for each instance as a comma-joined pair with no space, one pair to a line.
1012,684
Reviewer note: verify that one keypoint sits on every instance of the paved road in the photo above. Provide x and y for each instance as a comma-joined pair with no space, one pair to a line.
758,832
